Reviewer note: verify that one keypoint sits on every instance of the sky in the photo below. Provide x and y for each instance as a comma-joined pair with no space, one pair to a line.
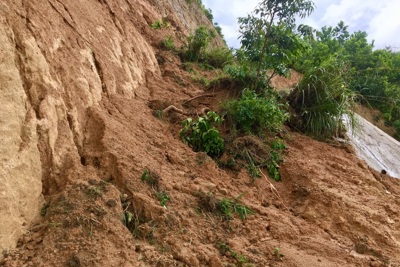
379,18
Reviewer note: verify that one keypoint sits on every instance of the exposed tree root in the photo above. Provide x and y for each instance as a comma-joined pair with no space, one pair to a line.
174,109
196,97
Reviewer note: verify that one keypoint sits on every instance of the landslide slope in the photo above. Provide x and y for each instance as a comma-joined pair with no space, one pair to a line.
80,84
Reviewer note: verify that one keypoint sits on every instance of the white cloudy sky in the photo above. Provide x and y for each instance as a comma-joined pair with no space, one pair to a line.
379,18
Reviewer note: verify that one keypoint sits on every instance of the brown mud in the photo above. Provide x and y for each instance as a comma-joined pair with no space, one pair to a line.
109,158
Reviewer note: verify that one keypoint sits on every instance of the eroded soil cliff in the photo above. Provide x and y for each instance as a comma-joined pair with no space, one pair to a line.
81,83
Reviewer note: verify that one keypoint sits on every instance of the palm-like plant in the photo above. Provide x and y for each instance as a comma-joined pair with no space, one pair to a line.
321,100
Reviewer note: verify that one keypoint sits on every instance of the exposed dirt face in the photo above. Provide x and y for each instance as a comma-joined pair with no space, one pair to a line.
60,61
329,210
97,136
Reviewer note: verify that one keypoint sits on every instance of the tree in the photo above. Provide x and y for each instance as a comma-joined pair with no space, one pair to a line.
258,29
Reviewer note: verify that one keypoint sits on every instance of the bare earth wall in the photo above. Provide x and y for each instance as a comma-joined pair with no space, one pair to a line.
58,59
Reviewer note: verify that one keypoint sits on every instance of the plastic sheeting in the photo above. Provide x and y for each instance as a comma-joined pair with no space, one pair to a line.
378,149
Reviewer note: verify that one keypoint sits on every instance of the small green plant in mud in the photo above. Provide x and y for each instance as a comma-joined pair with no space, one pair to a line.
277,254
159,24
225,207
252,169
127,218
240,259
163,197
43,210
130,218
201,134
150,178
94,191
159,114
276,158
229,207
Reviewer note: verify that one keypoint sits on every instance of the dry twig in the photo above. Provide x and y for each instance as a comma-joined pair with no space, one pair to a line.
273,189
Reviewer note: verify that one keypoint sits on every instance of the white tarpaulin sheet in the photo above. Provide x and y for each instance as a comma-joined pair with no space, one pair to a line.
378,149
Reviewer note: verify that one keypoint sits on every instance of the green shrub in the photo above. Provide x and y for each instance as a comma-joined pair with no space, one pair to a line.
196,44
253,113
396,126
218,57
159,24
321,100
219,30
208,13
201,135
241,73
168,43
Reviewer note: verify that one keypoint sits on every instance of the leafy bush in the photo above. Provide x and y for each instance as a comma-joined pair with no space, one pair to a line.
242,73
321,100
254,113
209,14
196,44
267,37
218,57
159,24
396,126
219,30
168,43
201,135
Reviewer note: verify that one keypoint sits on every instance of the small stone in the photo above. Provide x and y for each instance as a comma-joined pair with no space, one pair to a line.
74,261
390,221
92,182
223,191
111,203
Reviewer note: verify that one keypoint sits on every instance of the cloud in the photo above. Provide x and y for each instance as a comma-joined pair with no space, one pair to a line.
379,19
226,13
384,28
230,9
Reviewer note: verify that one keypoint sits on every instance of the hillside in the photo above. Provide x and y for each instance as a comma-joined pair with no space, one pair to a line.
80,85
